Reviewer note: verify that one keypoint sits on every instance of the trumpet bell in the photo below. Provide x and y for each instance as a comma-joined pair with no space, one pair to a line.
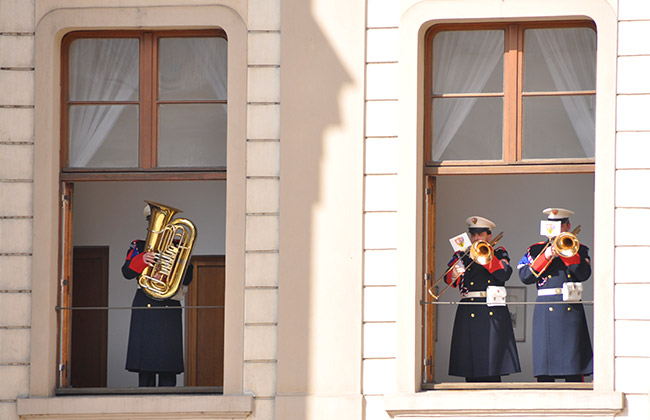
481,252
566,244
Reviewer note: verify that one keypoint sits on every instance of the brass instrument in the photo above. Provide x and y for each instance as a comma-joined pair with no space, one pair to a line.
171,242
566,244
481,252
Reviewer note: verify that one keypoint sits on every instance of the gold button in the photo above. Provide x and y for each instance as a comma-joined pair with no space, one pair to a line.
472,315
148,305
488,281
568,308
491,313
471,283
550,309
471,299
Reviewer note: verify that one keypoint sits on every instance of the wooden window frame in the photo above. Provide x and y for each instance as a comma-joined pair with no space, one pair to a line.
147,101
512,161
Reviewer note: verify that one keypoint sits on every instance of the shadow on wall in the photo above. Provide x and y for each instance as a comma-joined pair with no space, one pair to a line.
321,193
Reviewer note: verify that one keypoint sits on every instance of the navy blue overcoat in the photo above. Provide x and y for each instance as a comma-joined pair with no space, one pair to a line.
561,343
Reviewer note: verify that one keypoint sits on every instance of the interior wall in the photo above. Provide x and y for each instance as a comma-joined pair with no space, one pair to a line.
110,214
515,204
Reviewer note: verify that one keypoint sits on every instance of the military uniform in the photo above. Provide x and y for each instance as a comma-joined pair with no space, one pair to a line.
483,344
155,335
561,343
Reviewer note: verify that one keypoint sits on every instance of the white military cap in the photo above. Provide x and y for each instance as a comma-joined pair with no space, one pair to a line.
478,222
556,213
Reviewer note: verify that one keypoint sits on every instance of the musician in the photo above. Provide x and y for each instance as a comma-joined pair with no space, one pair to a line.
483,344
561,344
155,348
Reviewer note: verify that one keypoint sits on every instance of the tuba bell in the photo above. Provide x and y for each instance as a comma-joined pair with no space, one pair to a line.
171,242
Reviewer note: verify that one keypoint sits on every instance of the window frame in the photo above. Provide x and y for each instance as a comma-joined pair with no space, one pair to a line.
147,110
512,146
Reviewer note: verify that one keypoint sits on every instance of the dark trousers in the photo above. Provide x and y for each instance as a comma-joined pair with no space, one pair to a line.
568,378
484,379
149,378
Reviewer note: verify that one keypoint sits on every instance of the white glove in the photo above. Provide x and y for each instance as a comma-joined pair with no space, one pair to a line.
459,270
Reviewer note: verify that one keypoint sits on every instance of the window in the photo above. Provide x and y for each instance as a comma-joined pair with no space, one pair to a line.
517,96
503,99
139,106
144,101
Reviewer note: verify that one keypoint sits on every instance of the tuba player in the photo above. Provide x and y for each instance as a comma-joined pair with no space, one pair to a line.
155,349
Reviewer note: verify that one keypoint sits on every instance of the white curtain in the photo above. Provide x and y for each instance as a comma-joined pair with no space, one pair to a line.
571,58
100,70
464,62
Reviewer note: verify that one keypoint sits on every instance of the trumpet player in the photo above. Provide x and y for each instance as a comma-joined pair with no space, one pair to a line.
561,344
483,344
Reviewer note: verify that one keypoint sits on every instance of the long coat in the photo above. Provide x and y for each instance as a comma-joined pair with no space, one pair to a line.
483,342
561,344
155,335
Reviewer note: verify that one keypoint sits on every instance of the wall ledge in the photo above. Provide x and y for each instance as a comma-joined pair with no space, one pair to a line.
475,403
141,407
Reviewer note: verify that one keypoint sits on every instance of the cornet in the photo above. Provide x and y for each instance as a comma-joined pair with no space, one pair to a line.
566,244
481,252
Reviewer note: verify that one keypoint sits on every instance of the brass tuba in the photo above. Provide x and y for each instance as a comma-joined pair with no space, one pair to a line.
171,241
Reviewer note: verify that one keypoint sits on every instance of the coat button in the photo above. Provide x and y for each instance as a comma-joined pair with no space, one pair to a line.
471,299
472,315
491,313
148,305
488,281
471,283
568,309
550,309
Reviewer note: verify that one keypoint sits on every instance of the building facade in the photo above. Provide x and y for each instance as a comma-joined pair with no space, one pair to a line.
328,208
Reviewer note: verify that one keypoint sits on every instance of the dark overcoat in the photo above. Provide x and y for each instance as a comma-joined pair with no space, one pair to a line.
483,342
155,335
561,343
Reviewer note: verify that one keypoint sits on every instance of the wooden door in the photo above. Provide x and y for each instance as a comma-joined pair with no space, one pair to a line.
89,326
205,326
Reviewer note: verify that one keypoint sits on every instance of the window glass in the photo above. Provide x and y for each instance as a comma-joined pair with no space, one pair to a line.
560,59
192,135
468,62
193,68
103,136
559,127
467,129
104,69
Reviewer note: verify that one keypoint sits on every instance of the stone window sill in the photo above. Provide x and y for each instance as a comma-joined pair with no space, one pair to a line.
142,407
537,402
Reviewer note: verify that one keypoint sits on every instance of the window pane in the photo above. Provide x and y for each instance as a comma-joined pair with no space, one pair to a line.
193,68
104,69
562,59
467,129
468,62
192,135
559,127
103,136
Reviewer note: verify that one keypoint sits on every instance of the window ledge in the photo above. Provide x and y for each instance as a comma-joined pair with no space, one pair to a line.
142,406
505,403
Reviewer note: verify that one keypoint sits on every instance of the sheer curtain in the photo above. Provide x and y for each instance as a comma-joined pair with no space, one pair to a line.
571,58
100,70
464,61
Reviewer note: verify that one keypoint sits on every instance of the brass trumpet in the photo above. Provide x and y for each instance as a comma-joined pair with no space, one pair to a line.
481,252
566,244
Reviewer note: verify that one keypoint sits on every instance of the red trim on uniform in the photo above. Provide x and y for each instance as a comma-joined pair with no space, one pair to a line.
494,265
539,263
137,264
571,260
